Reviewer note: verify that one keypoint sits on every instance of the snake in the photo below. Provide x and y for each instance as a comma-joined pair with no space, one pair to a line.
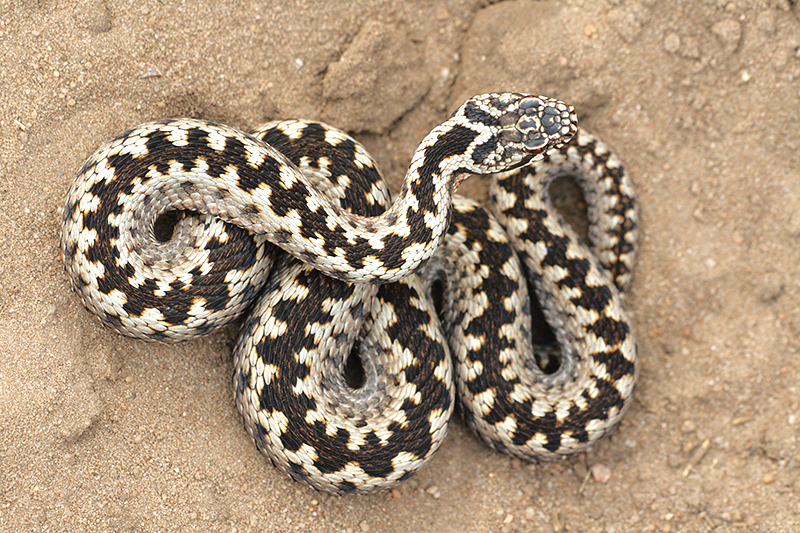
291,226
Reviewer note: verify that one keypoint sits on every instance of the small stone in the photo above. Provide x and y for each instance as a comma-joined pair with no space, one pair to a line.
433,490
688,426
672,43
93,15
729,31
71,102
768,478
590,30
508,519
363,526
601,473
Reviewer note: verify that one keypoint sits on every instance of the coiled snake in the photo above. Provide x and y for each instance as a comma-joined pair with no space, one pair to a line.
314,192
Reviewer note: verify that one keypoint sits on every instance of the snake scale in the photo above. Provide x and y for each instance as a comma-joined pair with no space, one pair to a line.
431,292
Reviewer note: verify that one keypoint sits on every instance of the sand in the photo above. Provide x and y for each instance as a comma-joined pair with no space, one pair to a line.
700,100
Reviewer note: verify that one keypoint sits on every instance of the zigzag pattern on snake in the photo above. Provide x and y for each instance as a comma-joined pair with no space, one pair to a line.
294,184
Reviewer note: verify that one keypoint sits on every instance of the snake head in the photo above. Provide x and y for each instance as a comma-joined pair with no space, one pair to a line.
520,129
534,125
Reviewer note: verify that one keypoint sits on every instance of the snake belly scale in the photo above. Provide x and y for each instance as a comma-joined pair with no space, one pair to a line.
359,276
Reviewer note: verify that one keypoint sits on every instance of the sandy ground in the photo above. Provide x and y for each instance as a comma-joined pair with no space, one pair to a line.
701,101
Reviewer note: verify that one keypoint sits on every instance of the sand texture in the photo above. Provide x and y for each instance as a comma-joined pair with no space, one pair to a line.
700,99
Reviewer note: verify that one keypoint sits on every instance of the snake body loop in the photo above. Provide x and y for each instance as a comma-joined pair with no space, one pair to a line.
316,193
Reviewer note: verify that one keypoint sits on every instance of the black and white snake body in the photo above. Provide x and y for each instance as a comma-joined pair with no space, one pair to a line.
314,192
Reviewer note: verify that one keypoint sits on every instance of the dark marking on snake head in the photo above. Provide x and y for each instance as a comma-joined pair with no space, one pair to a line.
477,115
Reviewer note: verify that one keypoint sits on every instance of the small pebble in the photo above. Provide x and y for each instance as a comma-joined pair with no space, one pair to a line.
364,527
601,473
768,478
672,42
728,30
433,490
